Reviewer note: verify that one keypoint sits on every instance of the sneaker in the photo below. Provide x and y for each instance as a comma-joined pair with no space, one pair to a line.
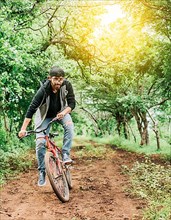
41,181
66,159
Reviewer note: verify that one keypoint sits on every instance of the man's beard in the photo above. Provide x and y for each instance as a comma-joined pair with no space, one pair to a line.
56,86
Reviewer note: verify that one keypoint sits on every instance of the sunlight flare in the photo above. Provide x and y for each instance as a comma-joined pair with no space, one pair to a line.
113,13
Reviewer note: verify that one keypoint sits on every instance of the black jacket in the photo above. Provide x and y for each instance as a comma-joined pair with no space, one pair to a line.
41,100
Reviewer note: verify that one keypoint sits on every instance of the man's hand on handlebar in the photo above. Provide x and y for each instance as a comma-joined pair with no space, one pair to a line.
59,116
22,133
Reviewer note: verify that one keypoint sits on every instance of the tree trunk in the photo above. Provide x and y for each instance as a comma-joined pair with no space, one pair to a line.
135,140
126,131
142,123
155,129
6,124
119,127
145,135
157,137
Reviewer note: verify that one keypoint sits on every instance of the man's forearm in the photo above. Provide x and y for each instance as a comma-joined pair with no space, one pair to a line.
61,115
67,110
26,122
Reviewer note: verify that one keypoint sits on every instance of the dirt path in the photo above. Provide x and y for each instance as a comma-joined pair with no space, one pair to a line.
98,193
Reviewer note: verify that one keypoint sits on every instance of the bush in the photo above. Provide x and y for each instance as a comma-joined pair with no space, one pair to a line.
152,182
13,155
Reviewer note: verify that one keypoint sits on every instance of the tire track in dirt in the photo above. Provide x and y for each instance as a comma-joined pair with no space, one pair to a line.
98,193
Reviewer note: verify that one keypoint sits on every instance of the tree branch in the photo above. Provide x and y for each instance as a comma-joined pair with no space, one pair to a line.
162,8
160,103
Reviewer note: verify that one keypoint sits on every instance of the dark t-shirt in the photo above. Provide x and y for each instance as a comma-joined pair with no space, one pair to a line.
55,105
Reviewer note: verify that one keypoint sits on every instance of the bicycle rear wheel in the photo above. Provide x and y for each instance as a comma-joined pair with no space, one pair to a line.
57,180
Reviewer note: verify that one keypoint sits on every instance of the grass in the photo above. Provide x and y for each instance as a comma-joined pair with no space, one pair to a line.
86,147
130,145
91,151
152,183
150,149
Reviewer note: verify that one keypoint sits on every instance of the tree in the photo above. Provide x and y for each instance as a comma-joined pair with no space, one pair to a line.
124,69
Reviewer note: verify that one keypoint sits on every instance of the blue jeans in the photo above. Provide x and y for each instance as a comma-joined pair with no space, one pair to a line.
68,127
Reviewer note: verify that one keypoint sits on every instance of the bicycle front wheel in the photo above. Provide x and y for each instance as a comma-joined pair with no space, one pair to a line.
68,176
57,179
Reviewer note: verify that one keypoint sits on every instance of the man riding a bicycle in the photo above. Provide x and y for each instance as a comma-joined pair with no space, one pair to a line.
54,99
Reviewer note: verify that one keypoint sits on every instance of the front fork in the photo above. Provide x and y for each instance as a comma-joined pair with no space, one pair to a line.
50,148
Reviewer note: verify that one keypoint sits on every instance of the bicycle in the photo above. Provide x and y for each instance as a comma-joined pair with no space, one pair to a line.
57,171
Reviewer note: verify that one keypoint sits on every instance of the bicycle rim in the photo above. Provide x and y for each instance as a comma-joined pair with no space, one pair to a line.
57,180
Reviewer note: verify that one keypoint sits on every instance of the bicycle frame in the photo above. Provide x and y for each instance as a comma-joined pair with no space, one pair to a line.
51,146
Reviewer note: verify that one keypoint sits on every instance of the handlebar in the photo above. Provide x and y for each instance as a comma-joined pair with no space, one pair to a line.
43,130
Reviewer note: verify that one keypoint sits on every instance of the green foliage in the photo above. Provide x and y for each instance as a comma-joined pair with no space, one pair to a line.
152,182
12,162
79,124
2,137
14,155
120,70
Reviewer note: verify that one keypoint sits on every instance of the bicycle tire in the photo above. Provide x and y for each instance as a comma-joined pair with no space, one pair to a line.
58,181
68,176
